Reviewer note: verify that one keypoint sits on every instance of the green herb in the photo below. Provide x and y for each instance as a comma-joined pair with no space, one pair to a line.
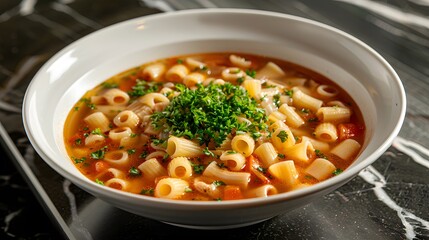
305,110
320,154
209,113
133,135
276,100
79,160
198,168
179,61
266,85
218,183
231,152
337,171
240,80
148,192
88,103
131,151
96,131
165,157
188,190
207,152
109,85
315,119
99,181
251,73
281,155
143,87
309,177
143,154
261,169
282,135
99,154
134,171
78,141
289,93
76,108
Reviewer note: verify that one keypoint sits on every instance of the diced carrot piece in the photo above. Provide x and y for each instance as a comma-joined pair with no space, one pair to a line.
252,166
232,192
349,130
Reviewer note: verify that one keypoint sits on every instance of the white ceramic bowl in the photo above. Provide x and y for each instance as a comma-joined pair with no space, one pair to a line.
82,65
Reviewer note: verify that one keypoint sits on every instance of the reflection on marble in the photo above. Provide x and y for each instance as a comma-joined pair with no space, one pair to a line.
388,200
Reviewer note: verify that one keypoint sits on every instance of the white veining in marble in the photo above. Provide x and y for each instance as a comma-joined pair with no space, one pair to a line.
8,219
76,221
56,29
27,7
75,15
159,4
421,2
391,12
411,222
412,149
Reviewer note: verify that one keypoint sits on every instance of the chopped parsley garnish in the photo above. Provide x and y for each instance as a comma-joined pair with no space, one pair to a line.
320,154
88,103
109,85
134,171
251,73
240,80
231,152
210,113
282,135
99,182
76,108
99,154
305,110
179,61
78,141
131,151
281,155
79,160
143,154
96,131
289,93
198,168
188,190
315,119
261,169
148,192
207,152
337,171
276,100
143,87
218,183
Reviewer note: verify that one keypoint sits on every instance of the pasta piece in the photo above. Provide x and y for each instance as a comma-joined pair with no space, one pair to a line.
98,120
292,117
327,91
151,99
207,188
94,139
276,125
270,71
234,178
336,103
320,169
282,139
326,132
347,149
154,72
117,158
267,154
334,114
234,161
322,146
159,154
110,111
182,147
116,97
140,108
152,169
232,74
193,79
110,173
176,73
262,191
285,172
127,118
295,81
243,144
239,61
302,100
117,183
195,64
171,188
134,141
276,116
300,152
179,167
253,87
150,129
268,106
117,134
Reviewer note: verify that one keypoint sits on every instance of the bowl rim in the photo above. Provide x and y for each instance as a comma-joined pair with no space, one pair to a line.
117,194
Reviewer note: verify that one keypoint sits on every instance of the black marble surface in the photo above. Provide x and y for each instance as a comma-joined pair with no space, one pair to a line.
388,200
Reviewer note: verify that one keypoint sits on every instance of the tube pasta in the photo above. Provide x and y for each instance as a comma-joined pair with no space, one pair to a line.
326,132
117,134
292,118
276,125
302,100
267,154
98,120
127,118
181,147
116,183
253,87
93,139
322,146
176,73
140,108
154,71
285,172
193,79
117,158
270,71
110,173
239,61
152,169
346,149
334,114
171,188
276,116
300,152
179,167
327,91
282,139
262,191
234,178
243,144
151,99
110,111
116,97
234,161
320,169
134,141
232,74
194,64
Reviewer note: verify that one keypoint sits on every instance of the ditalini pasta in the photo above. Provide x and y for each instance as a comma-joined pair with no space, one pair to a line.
213,127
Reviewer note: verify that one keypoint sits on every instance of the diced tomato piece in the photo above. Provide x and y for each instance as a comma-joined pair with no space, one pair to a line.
252,166
350,130
232,192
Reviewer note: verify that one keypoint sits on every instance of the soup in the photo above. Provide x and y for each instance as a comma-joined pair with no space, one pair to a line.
214,126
